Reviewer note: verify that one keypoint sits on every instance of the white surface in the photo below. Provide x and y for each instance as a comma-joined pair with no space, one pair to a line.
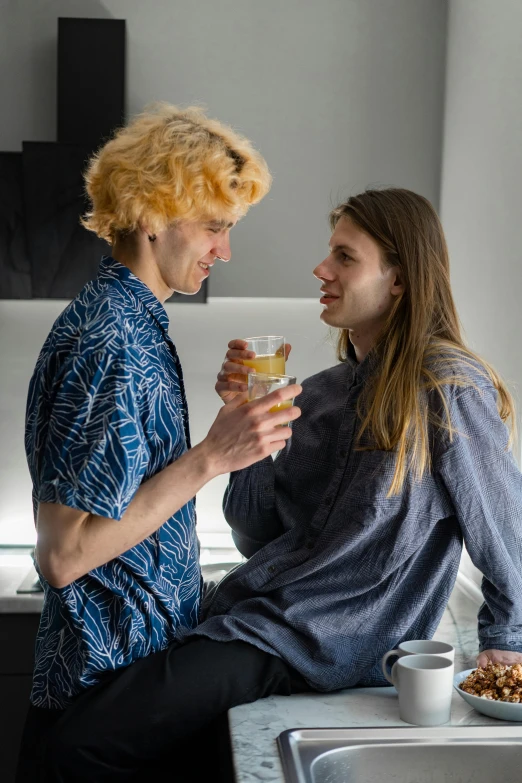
336,95
470,585
201,333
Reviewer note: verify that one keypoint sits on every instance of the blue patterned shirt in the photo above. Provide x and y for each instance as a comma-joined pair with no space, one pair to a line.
339,572
106,411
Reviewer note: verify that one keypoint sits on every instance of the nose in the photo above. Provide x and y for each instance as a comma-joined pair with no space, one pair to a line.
322,271
222,248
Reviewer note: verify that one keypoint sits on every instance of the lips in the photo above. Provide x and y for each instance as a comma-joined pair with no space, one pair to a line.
205,267
327,297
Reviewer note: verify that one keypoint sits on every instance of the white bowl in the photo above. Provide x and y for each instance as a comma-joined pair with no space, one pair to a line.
502,710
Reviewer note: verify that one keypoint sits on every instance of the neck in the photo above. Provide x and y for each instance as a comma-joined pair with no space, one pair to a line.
142,263
363,340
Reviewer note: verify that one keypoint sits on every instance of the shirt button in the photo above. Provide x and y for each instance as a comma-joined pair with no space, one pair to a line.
271,569
309,544
328,500
342,453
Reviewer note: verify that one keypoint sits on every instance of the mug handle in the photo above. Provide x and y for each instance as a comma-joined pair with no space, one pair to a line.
385,661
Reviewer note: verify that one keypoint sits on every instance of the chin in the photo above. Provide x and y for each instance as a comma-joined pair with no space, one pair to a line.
189,291
327,318
330,320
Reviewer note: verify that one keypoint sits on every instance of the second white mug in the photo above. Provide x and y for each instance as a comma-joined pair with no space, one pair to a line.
418,647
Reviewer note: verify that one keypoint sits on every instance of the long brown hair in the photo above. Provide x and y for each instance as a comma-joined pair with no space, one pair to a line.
421,348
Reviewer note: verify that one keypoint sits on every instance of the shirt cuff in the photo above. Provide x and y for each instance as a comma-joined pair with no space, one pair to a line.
512,645
67,494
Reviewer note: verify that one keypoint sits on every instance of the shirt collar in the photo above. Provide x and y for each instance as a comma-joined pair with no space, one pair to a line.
362,370
110,269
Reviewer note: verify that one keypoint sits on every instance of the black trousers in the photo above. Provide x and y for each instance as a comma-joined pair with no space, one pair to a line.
160,716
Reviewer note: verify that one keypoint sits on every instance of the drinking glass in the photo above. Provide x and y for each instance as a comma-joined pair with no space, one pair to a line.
260,384
270,354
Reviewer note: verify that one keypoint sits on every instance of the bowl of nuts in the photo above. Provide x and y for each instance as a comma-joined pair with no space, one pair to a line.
494,690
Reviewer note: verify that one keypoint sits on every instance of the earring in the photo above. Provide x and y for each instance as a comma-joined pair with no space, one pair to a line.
152,237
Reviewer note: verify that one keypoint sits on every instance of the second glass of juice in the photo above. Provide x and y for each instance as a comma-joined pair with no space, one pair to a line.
270,354
261,384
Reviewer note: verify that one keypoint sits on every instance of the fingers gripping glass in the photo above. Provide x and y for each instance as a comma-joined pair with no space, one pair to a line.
260,384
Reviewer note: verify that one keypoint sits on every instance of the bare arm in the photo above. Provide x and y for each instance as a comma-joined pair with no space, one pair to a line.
71,543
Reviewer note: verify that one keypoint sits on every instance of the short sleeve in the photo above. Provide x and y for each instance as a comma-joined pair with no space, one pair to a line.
96,454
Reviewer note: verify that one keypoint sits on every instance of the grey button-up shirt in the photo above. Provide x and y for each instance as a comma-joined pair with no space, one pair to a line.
338,572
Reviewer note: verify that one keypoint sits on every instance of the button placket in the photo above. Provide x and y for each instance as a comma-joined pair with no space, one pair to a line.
346,435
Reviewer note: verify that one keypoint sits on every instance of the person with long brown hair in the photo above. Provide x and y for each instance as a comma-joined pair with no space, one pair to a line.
354,533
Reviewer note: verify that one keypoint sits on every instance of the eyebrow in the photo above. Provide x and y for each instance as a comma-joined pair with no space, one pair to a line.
220,224
347,248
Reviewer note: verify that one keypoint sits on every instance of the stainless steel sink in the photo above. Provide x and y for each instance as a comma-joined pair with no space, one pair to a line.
456,754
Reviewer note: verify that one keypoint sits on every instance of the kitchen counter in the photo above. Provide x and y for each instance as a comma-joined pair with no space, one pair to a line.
16,567
255,727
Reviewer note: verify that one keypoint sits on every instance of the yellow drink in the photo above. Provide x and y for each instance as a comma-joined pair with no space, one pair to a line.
281,406
273,364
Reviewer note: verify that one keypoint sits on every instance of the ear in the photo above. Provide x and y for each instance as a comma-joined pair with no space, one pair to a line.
397,286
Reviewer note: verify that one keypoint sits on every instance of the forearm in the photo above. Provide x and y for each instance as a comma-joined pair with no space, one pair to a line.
72,543
250,509
499,620
497,556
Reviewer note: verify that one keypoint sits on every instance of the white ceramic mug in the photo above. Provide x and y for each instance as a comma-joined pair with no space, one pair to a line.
425,686
419,647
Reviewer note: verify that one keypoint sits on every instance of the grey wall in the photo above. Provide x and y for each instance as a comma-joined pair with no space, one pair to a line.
482,176
337,95
481,199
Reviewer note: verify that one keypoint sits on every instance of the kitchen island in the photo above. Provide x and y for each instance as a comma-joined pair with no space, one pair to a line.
254,728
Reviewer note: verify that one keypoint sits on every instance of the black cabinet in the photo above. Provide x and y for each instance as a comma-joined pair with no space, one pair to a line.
44,250
17,638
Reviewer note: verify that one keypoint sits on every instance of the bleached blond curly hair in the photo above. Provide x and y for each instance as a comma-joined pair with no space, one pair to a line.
170,164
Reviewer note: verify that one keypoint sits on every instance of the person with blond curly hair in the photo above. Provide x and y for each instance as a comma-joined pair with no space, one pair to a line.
107,429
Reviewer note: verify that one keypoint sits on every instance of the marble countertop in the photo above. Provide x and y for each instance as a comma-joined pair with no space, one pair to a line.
255,727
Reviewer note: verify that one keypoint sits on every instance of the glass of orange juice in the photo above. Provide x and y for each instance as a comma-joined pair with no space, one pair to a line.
270,354
260,384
